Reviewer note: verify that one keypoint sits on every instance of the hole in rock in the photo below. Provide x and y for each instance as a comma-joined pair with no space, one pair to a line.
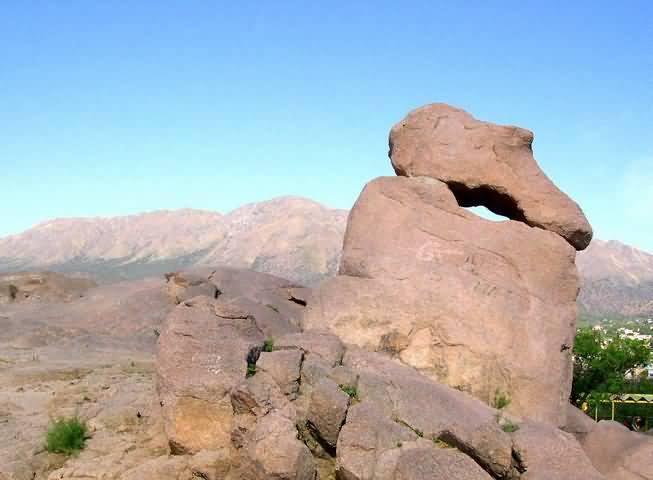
487,214
498,203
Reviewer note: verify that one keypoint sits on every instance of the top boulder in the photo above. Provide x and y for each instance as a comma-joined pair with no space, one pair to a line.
485,165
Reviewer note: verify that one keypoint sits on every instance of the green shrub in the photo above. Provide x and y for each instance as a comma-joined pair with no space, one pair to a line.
66,435
268,345
251,369
350,390
509,427
501,400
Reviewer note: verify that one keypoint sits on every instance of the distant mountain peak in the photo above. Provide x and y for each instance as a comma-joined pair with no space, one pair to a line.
291,235
617,278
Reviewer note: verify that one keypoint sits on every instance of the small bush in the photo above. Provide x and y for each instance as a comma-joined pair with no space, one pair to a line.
251,369
66,435
268,345
501,400
350,390
509,427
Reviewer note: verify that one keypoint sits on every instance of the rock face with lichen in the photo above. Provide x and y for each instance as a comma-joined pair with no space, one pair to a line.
486,307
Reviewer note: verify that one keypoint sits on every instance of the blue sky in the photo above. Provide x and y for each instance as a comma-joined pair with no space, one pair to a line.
117,107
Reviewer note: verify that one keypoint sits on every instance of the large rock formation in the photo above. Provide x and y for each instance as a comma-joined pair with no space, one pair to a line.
486,307
485,164
253,376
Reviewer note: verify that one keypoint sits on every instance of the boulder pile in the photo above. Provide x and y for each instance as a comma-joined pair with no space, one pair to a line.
263,400
440,351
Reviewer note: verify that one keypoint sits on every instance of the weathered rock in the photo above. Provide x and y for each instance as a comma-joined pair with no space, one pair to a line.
265,296
211,464
327,410
578,423
373,447
44,286
284,367
268,298
162,468
637,463
205,348
428,462
485,164
433,411
451,293
618,453
275,453
367,433
343,376
182,286
259,395
323,344
546,453
313,369
203,352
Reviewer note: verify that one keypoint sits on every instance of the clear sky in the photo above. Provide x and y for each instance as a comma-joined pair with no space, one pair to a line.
115,107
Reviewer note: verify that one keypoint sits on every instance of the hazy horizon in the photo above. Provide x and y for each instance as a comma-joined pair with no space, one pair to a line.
118,109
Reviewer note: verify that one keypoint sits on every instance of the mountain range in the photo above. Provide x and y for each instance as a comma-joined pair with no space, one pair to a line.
292,237
617,279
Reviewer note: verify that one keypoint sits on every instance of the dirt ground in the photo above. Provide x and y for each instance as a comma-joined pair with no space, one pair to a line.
92,357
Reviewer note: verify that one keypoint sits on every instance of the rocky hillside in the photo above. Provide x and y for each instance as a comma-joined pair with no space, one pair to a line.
617,278
292,237
288,236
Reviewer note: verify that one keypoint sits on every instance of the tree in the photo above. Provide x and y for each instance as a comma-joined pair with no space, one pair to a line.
601,363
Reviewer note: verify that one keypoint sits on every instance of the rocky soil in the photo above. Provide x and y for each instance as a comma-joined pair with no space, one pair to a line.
90,356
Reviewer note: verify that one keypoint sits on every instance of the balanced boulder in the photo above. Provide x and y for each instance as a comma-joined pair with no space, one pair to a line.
484,306
485,164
